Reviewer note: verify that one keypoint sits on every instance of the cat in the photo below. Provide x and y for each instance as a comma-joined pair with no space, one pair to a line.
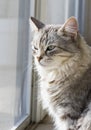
63,61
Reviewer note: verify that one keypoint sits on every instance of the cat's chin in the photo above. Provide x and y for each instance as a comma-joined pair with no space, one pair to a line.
47,67
43,65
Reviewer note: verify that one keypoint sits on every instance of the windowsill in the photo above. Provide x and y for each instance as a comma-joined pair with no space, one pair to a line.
45,124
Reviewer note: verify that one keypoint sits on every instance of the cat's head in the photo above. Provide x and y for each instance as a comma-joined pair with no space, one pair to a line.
54,45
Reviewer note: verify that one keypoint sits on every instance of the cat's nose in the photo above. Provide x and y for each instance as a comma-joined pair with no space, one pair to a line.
39,58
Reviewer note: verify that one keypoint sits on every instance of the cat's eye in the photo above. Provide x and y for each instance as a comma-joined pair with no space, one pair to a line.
34,48
49,48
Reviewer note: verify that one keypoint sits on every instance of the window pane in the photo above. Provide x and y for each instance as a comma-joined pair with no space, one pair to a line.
14,62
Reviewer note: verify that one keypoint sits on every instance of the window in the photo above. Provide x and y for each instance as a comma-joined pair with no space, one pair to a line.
15,62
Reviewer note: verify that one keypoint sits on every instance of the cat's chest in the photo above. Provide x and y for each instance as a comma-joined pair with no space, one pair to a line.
44,93
47,78
46,97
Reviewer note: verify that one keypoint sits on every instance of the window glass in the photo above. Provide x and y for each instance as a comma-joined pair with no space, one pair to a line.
14,62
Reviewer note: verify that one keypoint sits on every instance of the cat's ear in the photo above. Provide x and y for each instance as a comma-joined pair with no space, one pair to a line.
71,27
35,24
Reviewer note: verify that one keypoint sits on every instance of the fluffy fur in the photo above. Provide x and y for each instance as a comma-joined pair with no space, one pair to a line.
63,61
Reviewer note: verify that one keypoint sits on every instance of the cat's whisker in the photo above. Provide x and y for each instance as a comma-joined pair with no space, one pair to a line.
30,68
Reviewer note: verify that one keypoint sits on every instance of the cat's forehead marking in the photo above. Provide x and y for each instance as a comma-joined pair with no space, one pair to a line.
49,35
46,36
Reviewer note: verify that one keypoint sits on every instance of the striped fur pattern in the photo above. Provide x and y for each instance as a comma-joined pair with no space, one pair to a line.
63,61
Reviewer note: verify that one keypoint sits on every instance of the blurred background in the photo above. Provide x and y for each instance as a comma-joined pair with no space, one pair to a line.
18,80
57,12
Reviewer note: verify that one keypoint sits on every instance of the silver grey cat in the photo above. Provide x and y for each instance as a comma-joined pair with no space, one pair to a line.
63,61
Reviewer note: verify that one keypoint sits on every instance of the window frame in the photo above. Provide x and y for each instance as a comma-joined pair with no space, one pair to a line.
37,112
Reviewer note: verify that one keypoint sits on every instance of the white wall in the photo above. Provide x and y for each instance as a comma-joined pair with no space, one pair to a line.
57,11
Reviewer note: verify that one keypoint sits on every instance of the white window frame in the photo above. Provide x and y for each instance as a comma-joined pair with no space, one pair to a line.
37,112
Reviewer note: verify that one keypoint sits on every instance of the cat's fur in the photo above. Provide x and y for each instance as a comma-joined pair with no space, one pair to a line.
63,61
